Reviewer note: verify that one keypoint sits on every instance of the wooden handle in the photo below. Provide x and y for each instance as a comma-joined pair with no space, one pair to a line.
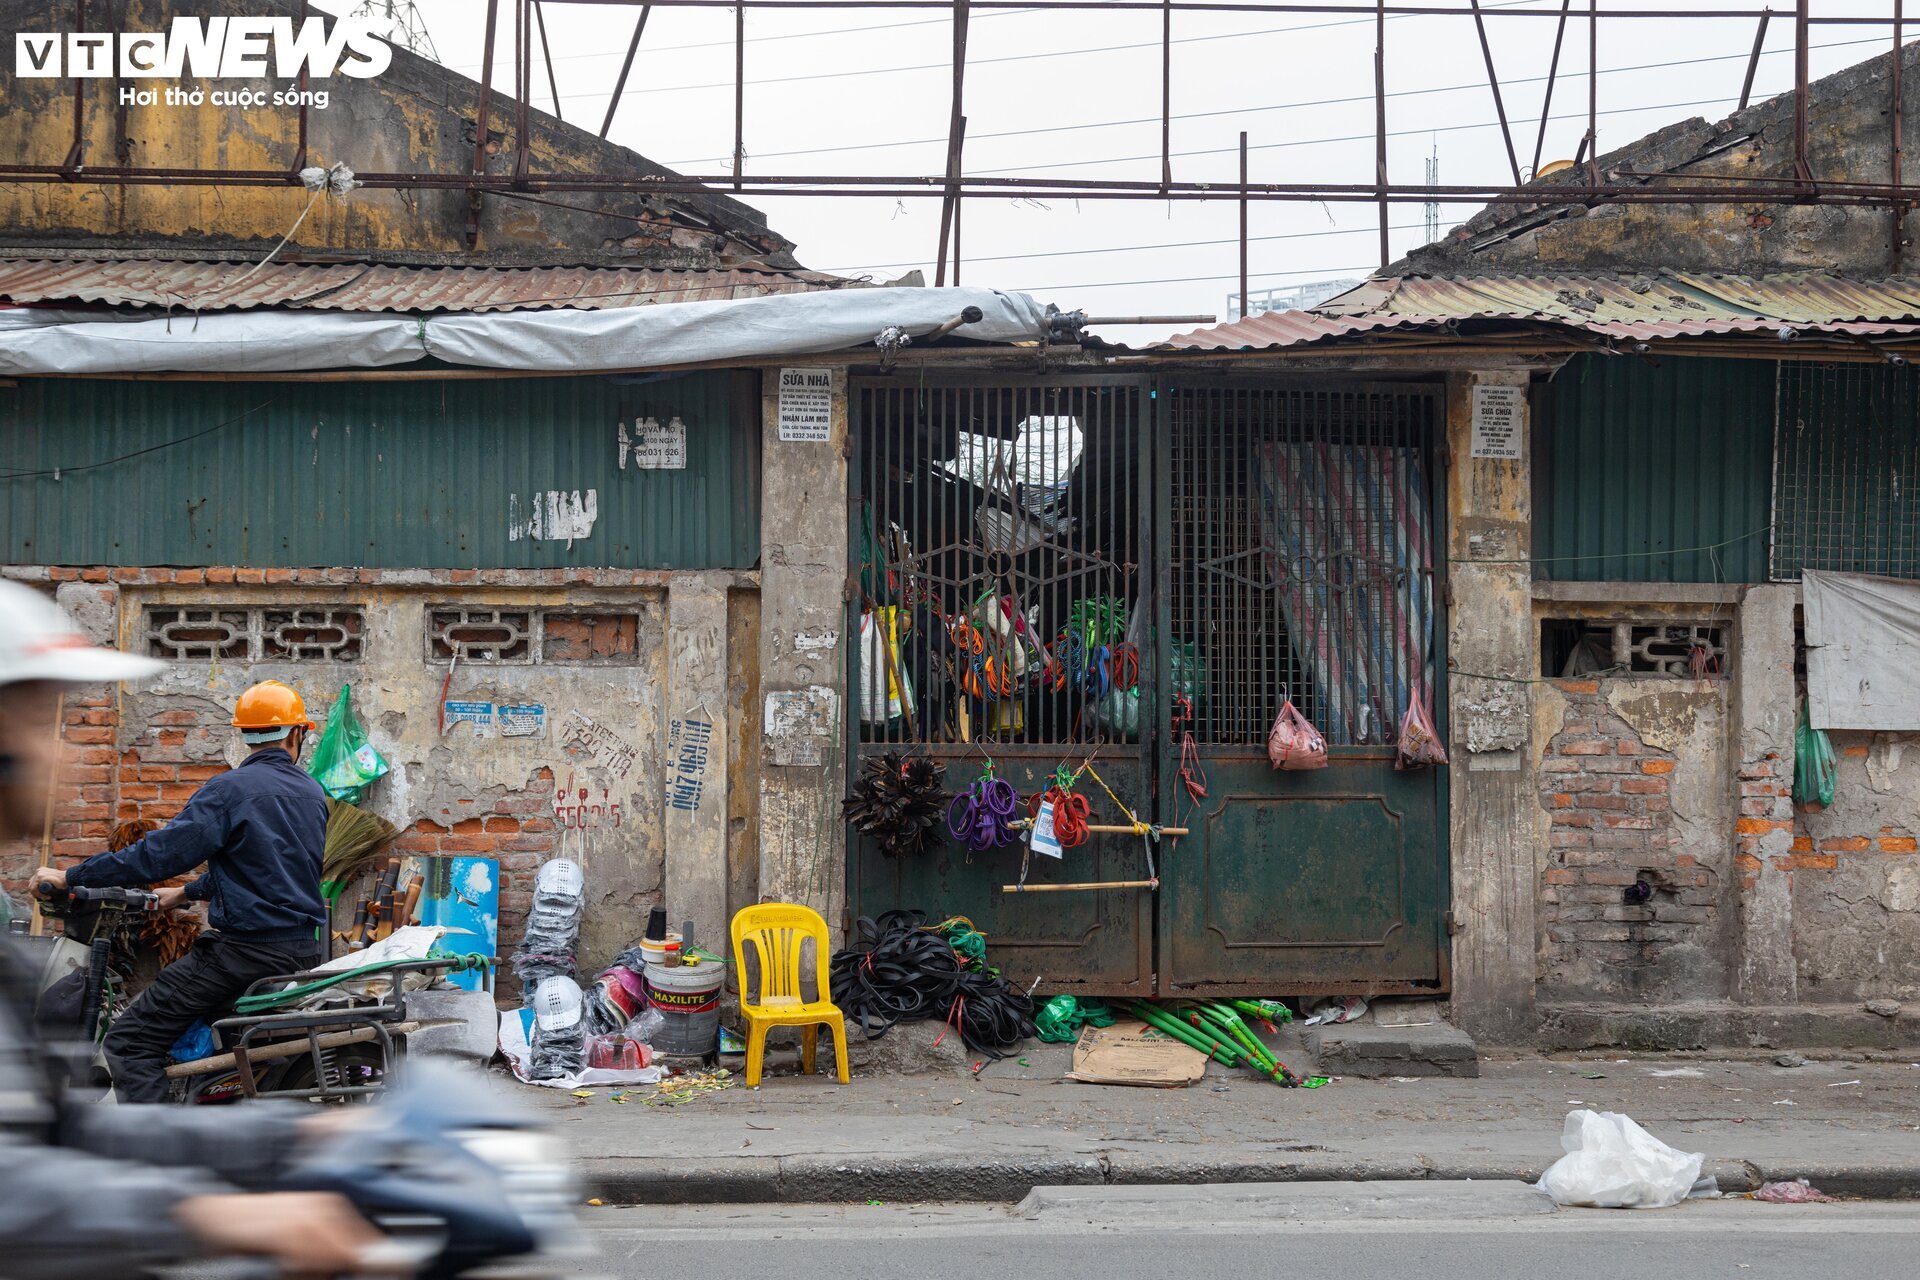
1116,829
1078,888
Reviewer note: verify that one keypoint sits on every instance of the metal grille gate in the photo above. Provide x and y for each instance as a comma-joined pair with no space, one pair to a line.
1240,544
1004,529
1846,471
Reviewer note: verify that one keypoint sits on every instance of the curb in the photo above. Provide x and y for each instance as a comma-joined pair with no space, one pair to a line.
826,1180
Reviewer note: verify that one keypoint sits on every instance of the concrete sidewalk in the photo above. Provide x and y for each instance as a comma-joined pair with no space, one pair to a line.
1848,1124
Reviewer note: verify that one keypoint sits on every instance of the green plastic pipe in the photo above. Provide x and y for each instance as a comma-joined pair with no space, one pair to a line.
1230,1020
1163,1021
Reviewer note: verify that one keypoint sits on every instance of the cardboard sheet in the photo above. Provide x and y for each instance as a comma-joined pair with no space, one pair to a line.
1130,1052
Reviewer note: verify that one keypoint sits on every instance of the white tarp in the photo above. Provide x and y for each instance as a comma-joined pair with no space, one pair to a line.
661,336
1863,651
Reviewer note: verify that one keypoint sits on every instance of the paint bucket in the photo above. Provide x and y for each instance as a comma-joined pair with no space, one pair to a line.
688,999
664,951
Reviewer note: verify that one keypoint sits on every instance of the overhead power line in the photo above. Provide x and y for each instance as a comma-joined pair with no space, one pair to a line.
1239,111
1131,248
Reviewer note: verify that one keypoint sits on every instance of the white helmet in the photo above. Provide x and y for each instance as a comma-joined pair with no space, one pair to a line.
38,641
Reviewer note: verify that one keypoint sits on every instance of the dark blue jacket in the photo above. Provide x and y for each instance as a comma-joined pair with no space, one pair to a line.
261,829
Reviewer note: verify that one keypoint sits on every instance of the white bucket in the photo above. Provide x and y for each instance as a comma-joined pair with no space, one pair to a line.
688,998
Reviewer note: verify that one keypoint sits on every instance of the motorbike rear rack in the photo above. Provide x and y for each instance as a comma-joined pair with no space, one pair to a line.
376,1019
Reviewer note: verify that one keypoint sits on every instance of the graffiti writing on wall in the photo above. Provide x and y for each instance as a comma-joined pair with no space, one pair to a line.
609,749
688,742
575,808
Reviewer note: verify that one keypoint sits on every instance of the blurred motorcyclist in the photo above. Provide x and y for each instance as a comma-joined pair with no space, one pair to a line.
261,830
91,1191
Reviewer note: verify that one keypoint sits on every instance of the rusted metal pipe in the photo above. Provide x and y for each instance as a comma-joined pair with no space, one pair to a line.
1801,58
1493,82
546,52
620,85
1546,102
480,125
78,149
1898,114
739,94
1218,6
1166,92
1243,224
522,84
1379,122
1753,62
1591,143
955,123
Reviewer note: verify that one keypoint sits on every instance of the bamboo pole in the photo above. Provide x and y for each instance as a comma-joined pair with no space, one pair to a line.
1079,888
286,1049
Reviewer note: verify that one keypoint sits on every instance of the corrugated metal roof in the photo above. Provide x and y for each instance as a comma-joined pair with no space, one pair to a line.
1637,308
375,287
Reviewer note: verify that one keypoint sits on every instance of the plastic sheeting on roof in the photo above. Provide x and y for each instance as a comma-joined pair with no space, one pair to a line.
534,341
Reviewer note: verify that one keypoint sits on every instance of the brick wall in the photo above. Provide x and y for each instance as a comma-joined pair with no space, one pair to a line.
1610,803
519,830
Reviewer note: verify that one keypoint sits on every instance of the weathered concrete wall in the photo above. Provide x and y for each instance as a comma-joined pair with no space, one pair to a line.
804,549
1763,718
1494,807
598,784
1849,140
1634,781
415,116
1856,878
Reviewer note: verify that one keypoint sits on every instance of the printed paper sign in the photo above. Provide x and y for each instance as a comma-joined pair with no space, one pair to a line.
477,714
523,720
1497,422
1043,841
654,447
806,405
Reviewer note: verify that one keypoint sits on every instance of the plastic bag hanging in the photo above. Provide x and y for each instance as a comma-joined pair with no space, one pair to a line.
344,762
1294,743
881,667
1815,770
1419,744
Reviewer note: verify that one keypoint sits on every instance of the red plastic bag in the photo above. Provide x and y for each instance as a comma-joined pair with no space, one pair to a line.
1294,742
1419,742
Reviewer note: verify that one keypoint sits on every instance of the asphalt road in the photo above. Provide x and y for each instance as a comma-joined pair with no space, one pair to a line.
1392,1231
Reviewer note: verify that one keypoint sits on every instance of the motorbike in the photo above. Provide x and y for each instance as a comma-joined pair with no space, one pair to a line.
460,1184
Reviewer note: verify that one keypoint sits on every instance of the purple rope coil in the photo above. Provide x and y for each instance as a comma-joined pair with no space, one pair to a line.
982,816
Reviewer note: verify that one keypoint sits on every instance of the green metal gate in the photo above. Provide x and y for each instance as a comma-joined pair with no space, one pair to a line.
1302,525
1259,541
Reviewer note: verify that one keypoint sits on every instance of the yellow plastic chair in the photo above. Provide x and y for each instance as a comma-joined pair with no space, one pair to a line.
778,932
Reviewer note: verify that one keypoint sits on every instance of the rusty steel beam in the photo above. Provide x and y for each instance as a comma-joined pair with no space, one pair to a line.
1493,81
1379,122
1357,9
1801,59
546,52
1738,190
620,85
1546,103
522,82
480,125
1243,224
956,122
739,93
300,145
1590,145
959,207
1166,92
78,149
1898,125
1753,62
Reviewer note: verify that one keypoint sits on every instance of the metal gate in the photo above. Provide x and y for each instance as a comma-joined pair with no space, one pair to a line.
996,514
1302,525
1216,547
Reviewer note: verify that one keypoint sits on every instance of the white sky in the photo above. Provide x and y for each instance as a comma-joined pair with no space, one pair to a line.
866,91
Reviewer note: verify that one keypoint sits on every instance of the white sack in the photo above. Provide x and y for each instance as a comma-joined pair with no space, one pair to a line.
1612,1163
1863,651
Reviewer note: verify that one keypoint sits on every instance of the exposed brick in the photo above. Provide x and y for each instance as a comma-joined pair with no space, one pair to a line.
1656,766
468,827
1760,826
220,575
90,733
1560,876
1899,844
1585,746
1803,844
280,575
1568,818
250,575
1746,862
468,844
1857,751
1809,862
1844,844
1576,686
1603,802
501,825
1628,747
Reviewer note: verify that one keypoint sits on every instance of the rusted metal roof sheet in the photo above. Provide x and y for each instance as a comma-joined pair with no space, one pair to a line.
374,287
1635,308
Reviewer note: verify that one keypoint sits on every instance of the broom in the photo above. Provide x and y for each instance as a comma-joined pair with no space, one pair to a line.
355,838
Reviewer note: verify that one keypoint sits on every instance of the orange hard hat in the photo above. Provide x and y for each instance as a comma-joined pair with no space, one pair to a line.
270,705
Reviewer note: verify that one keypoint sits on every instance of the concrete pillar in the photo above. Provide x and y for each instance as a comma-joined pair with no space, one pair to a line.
1494,791
698,750
1765,711
803,558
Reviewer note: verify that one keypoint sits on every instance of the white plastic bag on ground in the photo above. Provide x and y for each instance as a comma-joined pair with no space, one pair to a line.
1612,1163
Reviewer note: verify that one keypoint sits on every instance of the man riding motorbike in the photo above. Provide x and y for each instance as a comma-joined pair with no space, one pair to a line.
261,830
90,1191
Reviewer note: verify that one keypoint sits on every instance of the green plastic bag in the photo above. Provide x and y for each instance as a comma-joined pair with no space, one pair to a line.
345,763
1060,1019
1814,767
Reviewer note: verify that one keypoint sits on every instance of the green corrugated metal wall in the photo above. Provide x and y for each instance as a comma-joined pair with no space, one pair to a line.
1642,466
373,474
